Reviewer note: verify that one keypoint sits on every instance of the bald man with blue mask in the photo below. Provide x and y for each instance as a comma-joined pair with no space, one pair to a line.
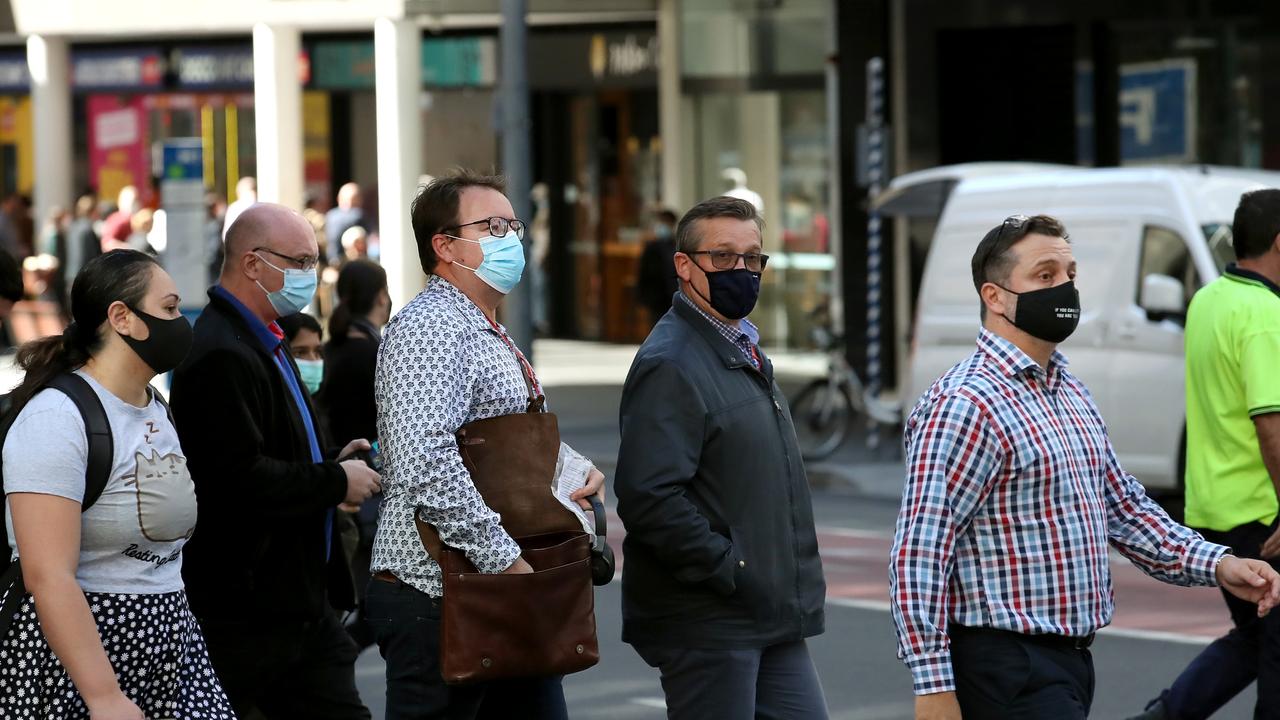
267,575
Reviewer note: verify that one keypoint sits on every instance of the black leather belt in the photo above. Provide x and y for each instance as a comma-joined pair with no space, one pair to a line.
1062,642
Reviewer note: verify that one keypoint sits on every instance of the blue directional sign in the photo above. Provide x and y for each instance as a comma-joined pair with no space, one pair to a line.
1157,112
184,160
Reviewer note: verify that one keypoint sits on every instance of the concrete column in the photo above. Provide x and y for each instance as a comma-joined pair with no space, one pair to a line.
397,52
48,59
902,290
277,106
669,124
517,163
834,214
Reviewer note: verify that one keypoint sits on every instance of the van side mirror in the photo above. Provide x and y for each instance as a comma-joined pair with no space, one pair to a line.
1163,298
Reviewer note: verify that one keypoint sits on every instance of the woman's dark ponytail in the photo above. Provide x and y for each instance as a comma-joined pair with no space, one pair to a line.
359,284
117,275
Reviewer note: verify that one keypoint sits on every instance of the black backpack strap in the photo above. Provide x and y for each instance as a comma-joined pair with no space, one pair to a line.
97,432
101,456
155,395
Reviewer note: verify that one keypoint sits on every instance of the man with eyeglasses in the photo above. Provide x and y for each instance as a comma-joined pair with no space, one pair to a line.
722,582
999,571
446,361
265,571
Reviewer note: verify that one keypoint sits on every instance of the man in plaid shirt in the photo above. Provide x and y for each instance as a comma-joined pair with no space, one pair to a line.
999,572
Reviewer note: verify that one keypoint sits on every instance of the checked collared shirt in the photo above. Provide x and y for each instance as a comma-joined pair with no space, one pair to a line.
745,336
1013,493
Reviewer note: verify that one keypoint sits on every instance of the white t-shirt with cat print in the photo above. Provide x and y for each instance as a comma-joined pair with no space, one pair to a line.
131,539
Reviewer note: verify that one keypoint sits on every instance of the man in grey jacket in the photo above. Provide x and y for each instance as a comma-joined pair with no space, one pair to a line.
722,581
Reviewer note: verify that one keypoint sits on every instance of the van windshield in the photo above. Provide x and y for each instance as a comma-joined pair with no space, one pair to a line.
1219,237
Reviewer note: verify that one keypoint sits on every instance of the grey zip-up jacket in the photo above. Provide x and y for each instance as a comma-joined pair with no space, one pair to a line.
720,550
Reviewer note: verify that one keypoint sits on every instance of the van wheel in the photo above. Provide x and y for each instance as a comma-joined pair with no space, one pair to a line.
822,414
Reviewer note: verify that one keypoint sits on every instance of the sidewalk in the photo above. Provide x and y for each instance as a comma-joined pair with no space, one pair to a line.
582,362
584,381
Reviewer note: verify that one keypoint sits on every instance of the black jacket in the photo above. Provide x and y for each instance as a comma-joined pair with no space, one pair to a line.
348,388
657,283
258,551
720,549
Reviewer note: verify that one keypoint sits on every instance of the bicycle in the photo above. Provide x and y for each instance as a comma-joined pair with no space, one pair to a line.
825,410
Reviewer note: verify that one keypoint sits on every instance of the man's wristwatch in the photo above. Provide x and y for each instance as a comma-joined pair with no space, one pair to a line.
1218,562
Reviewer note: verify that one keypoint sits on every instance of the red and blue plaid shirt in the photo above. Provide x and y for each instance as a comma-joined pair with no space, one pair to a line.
1013,493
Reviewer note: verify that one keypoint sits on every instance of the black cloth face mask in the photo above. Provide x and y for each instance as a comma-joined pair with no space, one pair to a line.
733,292
1050,314
166,346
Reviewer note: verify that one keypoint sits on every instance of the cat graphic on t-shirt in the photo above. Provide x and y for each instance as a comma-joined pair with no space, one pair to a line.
166,496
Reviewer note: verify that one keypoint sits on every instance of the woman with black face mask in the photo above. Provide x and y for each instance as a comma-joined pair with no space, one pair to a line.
103,630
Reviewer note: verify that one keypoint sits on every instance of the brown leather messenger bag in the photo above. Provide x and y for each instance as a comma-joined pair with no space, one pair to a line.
538,624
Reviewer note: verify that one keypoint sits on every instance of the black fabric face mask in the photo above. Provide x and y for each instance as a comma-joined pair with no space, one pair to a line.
1050,314
166,346
733,292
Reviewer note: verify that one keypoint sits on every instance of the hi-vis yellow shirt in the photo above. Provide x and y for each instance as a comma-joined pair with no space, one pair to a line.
1233,375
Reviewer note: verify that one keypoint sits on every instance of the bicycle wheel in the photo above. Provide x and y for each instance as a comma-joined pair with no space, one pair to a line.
822,414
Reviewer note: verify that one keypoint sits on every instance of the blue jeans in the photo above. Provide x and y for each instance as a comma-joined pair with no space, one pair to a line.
1251,650
406,624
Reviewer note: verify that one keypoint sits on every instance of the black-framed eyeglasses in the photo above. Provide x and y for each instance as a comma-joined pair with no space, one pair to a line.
725,260
498,226
304,262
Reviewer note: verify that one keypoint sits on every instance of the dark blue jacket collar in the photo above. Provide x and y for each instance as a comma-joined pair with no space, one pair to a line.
261,332
729,353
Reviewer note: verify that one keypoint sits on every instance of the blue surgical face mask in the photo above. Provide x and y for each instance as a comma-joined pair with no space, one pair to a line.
312,372
299,287
503,262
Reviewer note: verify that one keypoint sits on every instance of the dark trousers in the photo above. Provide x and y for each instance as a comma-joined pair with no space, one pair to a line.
283,670
1250,650
406,625
777,682
364,526
1007,676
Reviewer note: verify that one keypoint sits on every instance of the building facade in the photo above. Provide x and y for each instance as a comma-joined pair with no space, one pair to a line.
637,105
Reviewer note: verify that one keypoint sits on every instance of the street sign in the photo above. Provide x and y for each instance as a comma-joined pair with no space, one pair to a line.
1158,106
182,199
1158,111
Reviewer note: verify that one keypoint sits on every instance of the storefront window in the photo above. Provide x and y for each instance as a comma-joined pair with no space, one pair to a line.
770,148
757,111
722,39
1187,94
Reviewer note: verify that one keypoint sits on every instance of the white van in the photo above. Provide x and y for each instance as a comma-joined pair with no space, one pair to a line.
1145,239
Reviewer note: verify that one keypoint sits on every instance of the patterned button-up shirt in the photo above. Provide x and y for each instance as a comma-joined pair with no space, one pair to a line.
441,365
1013,493
745,336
